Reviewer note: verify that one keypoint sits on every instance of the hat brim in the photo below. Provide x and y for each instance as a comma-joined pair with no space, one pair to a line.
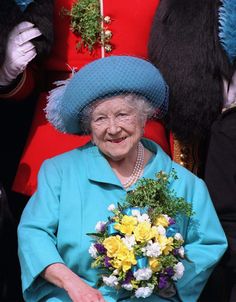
109,76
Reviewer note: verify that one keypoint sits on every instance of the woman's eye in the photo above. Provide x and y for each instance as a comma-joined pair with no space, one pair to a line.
99,119
122,114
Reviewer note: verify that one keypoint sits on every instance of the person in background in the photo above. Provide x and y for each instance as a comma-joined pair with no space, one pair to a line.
185,45
193,45
117,95
220,170
20,41
220,177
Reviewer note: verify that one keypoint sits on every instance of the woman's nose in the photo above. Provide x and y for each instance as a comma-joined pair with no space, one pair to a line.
113,126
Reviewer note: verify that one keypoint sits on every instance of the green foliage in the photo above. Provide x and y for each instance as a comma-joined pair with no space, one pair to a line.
155,195
86,22
167,261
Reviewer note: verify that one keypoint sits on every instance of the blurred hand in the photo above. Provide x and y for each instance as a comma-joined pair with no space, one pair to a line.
19,52
80,291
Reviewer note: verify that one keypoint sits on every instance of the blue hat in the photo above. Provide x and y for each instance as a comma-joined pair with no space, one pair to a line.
103,78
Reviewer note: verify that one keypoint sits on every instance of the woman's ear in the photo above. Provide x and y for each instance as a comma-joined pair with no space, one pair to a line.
144,121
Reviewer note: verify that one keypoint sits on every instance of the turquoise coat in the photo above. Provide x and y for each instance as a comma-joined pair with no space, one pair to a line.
74,191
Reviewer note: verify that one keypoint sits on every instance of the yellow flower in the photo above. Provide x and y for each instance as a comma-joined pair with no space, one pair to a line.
128,261
122,252
169,246
144,232
112,245
154,264
116,263
123,259
127,225
162,220
165,243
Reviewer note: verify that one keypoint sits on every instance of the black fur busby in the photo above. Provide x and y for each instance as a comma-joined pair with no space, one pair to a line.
184,45
10,16
40,13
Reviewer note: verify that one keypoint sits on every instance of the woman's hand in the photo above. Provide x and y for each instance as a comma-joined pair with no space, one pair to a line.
79,291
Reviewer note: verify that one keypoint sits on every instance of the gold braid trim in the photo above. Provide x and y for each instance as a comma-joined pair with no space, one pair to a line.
186,155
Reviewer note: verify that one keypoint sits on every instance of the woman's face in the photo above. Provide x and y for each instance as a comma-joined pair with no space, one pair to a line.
116,128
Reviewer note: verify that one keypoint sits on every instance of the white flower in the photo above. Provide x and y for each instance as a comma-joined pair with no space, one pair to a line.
129,241
93,251
99,226
161,230
143,274
143,217
181,251
111,207
166,216
127,286
110,281
178,236
143,292
115,272
179,271
135,213
153,249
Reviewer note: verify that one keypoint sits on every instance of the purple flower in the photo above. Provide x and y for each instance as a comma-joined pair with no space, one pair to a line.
129,276
176,252
100,248
103,228
171,221
169,271
162,282
107,262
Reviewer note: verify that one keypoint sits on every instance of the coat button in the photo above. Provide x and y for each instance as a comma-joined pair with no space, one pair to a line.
107,34
107,19
108,47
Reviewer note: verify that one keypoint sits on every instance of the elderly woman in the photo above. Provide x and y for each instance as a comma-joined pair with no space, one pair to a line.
111,99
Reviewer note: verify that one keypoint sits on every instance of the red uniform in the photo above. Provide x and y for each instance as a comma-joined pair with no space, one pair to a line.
130,26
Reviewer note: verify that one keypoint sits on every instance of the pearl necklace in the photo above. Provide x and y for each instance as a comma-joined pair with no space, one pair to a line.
138,167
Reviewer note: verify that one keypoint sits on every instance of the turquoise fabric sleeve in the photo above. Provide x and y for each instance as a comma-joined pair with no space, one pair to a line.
40,221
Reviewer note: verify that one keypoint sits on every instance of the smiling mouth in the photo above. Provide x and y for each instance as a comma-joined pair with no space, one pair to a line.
117,140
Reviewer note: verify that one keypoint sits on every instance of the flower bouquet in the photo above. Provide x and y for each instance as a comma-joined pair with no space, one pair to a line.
139,248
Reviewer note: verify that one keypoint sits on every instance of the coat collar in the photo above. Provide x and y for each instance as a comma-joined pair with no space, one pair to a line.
99,170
